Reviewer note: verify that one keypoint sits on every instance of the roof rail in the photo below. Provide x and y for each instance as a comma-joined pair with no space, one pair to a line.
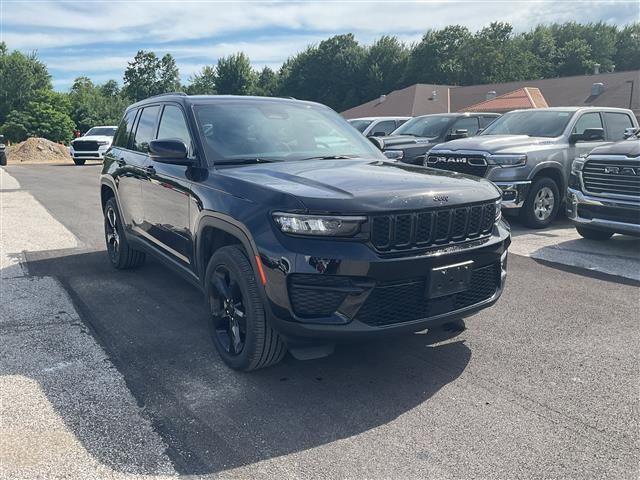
180,94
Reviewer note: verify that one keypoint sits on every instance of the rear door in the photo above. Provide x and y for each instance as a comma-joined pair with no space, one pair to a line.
167,192
587,120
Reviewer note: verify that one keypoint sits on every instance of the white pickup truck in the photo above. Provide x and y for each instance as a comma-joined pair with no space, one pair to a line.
93,144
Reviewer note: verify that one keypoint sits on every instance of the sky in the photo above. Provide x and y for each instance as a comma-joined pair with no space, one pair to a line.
97,38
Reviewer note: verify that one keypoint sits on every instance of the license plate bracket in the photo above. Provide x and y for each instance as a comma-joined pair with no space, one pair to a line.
449,279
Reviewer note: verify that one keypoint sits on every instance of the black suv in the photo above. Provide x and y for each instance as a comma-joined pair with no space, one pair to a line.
297,230
410,142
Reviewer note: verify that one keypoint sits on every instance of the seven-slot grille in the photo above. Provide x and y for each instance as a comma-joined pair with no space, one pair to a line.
618,178
418,230
85,145
469,164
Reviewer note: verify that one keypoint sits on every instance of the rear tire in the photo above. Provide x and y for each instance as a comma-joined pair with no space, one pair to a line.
121,255
593,234
79,161
239,327
542,204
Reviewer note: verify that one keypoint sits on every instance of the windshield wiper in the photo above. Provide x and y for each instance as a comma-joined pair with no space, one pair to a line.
330,157
248,160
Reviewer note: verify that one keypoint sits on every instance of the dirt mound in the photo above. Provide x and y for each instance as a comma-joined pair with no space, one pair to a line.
37,150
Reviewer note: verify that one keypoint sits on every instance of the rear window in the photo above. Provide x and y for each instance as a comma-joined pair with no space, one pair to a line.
146,129
124,130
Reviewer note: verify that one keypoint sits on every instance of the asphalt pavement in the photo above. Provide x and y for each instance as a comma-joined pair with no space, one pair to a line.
542,385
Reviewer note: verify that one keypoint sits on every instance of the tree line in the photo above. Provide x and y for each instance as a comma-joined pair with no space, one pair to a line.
339,72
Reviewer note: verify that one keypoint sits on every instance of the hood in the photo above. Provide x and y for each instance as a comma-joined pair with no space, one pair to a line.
405,140
94,138
497,143
364,186
629,148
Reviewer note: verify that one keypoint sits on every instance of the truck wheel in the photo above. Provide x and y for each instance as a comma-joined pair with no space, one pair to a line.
542,203
238,324
121,255
593,234
79,161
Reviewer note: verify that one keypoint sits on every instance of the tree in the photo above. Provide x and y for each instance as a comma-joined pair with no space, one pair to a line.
46,115
21,77
235,76
267,83
542,45
147,75
93,105
575,58
628,48
168,75
384,60
203,82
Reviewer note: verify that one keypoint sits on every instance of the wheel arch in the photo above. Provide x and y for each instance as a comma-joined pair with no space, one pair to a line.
553,171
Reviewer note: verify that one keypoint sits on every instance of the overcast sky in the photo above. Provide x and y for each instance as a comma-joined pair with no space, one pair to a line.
98,38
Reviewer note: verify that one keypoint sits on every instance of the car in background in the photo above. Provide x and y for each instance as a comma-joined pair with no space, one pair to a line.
92,145
3,154
377,126
415,138
528,154
604,190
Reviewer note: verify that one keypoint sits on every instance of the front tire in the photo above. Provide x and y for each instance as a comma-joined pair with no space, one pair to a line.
542,204
121,255
593,234
239,327
79,161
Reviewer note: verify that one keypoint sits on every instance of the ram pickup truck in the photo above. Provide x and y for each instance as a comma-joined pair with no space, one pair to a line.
92,145
411,141
604,190
528,154
297,241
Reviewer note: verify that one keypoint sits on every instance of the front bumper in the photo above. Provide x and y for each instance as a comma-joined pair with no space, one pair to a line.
514,194
619,216
84,155
360,293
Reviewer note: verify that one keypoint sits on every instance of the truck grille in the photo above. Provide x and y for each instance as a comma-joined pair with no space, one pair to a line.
85,145
618,178
398,303
475,165
420,230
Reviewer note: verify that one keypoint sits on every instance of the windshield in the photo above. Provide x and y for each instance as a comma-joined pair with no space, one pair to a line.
102,131
264,130
535,123
430,126
360,125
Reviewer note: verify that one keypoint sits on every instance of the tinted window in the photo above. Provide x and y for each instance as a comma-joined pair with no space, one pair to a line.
173,125
124,130
385,127
146,129
430,126
535,123
469,124
486,121
401,122
588,120
616,125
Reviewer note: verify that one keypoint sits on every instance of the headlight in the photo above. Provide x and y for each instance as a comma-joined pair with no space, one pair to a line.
577,165
326,226
394,154
507,159
498,209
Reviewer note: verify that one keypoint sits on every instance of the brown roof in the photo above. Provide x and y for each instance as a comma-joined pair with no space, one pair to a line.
561,92
418,99
527,97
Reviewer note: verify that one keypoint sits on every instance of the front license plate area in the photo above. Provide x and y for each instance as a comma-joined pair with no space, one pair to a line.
449,279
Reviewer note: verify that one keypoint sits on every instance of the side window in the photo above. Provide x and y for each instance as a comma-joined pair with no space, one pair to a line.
173,125
616,125
486,121
400,122
385,127
146,129
588,120
124,130
470,124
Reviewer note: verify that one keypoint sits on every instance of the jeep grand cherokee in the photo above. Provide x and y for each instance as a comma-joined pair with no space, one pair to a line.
296,241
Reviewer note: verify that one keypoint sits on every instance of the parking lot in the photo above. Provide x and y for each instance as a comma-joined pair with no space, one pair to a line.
111,374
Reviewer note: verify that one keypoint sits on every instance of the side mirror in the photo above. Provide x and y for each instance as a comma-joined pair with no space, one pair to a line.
460,133
377,142
628,132
589,135
169,150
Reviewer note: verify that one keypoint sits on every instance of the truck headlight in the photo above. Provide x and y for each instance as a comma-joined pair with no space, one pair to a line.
507,159
394,154
577,165
319,225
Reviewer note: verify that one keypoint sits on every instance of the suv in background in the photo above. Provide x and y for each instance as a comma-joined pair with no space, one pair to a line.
92,145
296,241
604,190
528,154
377,126
414,139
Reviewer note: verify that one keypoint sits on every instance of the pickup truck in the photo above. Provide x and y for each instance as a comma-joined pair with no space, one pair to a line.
528,154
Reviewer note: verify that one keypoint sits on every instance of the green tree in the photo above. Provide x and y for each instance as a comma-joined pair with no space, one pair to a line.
542,46
628,48
46,115
574,58
168,75
203,82
21,77
235,76
147,75
267,83
383,61
93,105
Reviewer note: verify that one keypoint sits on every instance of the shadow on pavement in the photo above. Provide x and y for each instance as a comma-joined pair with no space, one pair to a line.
153,326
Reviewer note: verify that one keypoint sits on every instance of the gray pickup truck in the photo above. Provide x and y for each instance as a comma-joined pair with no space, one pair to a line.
528,154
